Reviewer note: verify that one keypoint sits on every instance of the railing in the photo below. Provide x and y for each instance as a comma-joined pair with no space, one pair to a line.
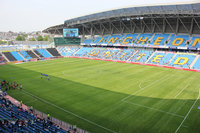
41,115
62,124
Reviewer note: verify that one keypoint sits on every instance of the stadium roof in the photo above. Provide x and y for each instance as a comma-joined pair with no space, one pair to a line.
165,18
177,8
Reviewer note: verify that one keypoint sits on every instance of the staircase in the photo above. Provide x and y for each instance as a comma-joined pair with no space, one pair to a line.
150,57
194,61
37,53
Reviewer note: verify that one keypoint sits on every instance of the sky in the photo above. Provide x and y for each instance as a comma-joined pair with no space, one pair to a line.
37,15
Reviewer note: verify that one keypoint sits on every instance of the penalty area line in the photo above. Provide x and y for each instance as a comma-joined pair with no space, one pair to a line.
91,122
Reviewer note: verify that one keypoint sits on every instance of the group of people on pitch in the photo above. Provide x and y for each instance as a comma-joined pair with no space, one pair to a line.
8,85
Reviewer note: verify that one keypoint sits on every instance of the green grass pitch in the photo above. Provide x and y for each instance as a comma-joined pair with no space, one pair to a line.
106,97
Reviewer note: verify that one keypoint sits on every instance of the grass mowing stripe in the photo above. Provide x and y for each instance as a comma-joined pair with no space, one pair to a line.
169,113
91,122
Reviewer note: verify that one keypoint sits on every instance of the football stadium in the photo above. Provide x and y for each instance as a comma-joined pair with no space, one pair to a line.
127,70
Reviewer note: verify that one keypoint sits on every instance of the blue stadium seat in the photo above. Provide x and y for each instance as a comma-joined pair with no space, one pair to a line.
141,56
17,56
173,40
25,55
44,53
197,64
182,60
159,39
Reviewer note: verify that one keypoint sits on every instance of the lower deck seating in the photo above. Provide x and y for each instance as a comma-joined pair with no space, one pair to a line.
25,55
44,53
40,55
31,54
182,60
125,54
67,51
161,58
141,56
197,64
9,56
15,119
53,51
17,56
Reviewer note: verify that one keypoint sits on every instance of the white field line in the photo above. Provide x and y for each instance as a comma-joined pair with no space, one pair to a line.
143,88
91,122
182,90
187,115
169,113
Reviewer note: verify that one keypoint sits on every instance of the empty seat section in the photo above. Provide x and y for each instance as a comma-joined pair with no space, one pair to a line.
178,40
17,56
67,51
53,51
96,52
197,64
128,39
25,55
31,54
143,39
182,60
110,53
44,53
87,41
38,53
124,54
195,42
101,40
141,56
83,52
157,58
159,39
114,39
9,56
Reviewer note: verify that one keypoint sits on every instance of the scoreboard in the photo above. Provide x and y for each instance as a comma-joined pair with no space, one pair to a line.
59,41
70,32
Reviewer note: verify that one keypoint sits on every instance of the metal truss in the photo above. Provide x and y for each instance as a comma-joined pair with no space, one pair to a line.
177,24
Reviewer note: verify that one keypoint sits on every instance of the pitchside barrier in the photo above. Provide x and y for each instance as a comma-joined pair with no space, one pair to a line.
62,124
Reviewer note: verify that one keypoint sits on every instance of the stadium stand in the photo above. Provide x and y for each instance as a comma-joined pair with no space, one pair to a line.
31,54
16,119
17,56
159,39
53,51
25,55
38,54
178,40
67,51
44,53
197,64
141,56
9,56
182,60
